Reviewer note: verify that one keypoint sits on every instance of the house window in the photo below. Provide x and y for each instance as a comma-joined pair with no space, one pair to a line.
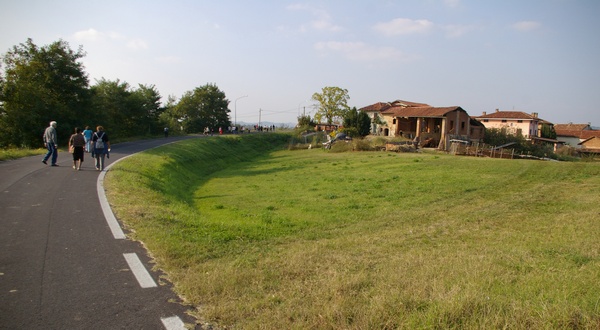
486,120
504,120
451,124
519,121
462,125
394,121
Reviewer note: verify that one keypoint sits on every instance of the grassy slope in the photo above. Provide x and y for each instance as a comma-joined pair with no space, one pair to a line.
7,154
260,238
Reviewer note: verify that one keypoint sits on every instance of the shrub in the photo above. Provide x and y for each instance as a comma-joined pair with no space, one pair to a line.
362,145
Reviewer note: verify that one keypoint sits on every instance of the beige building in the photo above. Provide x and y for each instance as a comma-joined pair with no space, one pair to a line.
420,121
590,145
514,122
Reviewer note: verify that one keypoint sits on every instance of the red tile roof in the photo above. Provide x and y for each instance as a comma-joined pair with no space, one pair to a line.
585,134
381,106
409,104
571,127
567,132
419,111
376,107
507,115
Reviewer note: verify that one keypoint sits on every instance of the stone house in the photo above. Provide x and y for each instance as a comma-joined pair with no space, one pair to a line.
590,145
433,126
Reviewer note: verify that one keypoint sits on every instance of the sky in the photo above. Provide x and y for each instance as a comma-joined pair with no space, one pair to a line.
269,57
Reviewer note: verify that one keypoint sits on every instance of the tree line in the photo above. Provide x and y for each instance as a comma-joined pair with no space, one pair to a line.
41,84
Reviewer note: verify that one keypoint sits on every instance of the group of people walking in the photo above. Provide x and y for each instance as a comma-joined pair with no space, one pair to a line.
81,142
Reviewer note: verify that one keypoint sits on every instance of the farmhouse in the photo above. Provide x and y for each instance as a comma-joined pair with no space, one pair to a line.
574,134
433,126
515,122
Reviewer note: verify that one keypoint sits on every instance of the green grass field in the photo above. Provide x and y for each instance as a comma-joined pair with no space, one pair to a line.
255,236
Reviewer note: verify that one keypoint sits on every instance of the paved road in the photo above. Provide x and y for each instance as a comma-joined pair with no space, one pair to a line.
60,264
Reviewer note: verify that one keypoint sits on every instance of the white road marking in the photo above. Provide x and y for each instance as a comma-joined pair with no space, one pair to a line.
113,224
135,264
173,323
140,272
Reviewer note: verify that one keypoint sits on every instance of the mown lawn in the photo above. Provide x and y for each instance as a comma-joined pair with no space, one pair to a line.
256,237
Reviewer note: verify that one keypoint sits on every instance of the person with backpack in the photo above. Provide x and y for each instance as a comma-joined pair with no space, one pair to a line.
101,147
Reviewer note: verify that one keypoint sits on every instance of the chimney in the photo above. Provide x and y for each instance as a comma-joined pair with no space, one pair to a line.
497,110
484,113
534,114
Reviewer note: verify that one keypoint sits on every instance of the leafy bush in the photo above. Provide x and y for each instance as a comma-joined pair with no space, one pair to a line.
498,137
362,145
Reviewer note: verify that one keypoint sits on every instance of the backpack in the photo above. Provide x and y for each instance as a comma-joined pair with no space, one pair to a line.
100,142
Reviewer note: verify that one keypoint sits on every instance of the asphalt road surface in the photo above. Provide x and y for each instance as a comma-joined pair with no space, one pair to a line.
61,265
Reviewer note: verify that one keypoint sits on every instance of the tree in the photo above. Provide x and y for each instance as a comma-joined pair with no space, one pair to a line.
305,121
548,132
363,124
111,107
146,100
205,106
40,84
125,111
333,103
357,123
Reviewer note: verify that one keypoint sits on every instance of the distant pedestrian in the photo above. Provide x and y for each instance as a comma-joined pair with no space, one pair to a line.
51,143
77,145
101,147
220,130
87,134
166,132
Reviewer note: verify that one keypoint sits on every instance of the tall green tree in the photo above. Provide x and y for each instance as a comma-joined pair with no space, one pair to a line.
205,106
147,100
548,131
111,107
333,103
305,121
125,111
357,123
40,84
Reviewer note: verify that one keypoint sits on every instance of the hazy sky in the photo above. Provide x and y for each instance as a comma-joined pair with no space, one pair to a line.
532,56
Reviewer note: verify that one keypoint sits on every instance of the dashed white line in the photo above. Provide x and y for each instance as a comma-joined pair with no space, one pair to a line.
135,264
173,323
140,272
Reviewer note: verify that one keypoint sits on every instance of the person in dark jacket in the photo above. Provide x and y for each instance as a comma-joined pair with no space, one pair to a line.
101,147
76,146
